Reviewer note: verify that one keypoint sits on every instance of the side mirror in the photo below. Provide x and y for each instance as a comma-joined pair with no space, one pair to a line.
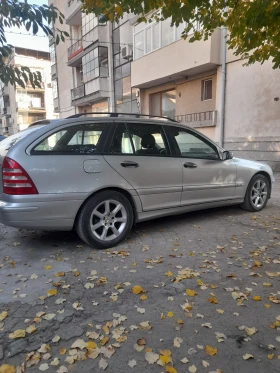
227,155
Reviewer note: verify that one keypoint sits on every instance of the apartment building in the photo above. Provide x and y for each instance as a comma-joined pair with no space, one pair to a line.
148,68
22,106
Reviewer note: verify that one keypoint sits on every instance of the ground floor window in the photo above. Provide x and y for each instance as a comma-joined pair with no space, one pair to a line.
163,103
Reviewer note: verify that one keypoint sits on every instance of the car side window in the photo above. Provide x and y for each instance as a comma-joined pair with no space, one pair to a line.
121,143
189,144
77,139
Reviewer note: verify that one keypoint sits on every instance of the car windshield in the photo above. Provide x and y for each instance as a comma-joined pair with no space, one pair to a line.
10,141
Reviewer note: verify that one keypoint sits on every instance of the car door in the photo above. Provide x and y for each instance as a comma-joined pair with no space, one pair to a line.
206,178
140,153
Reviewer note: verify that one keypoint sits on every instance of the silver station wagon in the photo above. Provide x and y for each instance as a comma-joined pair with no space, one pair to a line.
101,174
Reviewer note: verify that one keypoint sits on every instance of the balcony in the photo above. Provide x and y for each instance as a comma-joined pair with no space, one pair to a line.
197,120
78,92
73,14
176,61
74,53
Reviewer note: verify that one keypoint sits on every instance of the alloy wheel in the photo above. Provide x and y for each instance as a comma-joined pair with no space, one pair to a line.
259,193
108,220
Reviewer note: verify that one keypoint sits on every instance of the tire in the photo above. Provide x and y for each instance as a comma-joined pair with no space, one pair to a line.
258,191
105,219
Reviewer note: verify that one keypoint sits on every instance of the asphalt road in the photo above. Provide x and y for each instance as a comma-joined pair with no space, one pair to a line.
208,297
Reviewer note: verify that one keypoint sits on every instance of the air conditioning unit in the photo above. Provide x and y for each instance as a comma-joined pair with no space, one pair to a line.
127,52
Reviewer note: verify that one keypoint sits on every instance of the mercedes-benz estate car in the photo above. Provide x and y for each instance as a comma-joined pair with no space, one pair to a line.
102,174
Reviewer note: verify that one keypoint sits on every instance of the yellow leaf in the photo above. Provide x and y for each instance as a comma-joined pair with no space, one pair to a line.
165,359
219,310
143,297
257,263
76,274
31,329
213,286
170,314
270,356
171,369
62,351
199,282
51,292
168,274
257,298
267,284
190,292
7,369
60,274
211,351
19,333
165,352
134,264
180,321
267,305
104,341
48,267
212,300
137,289
3,315
91,345
248,356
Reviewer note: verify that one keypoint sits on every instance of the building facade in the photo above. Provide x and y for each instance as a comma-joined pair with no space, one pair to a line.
148,68
22,106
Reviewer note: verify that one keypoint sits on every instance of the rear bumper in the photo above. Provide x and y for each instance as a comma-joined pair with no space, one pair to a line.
50,215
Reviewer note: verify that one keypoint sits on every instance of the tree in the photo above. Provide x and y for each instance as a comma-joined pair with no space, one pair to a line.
31,17
253,25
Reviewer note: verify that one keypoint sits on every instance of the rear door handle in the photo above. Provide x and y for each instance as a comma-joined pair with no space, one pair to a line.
190,165
129,164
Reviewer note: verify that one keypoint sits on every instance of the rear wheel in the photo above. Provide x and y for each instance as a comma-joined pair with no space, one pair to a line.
257,193
105,219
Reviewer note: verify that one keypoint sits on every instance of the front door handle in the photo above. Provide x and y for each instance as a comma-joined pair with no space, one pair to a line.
190,165
129,164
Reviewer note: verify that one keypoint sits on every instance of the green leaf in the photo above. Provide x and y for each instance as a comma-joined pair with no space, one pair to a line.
57,39
35,27
28,25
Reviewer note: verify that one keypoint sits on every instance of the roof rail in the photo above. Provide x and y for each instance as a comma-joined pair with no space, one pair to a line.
117,115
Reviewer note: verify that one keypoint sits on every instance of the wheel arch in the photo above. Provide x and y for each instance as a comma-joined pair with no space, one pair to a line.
115,189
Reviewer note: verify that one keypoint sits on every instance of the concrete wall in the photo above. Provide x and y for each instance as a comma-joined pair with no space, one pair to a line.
252,120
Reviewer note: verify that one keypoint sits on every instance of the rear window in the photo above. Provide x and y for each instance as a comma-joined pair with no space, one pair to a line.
77,139
10,141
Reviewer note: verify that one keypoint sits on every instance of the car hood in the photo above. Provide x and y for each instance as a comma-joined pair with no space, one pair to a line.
253,165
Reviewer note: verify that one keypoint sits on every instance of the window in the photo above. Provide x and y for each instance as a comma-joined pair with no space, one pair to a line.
191,145
146,139
52,54
89,22
95,64
54,88
206,90
79,139
163,104
139,45
167,32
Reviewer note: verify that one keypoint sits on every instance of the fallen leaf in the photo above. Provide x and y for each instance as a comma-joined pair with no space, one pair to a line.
257,298
141,342
62,351
190,292
51,292
60,274
192,369
132,363
211,351
212,300
104,341
31,329
103,364
137,289
7,369
48,267
205,363
170,314
185,360
49,316
143,297
151,358
79,343
44,348
77,305
141,310
62,369
177,342
19,333
3,315
168,274
248,356
44,367
76,274
56,338
55,362
34,276
170,369
251,331
165,359
219,310
89,285
91,345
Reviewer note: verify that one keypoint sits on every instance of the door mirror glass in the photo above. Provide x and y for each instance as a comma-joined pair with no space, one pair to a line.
227,155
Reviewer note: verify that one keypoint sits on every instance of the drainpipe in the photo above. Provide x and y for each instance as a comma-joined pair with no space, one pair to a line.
111,69
223,85
72,68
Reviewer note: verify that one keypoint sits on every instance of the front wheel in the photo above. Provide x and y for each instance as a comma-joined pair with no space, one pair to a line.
257,194
105,219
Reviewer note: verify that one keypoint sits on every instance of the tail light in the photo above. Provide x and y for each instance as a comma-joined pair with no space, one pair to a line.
16,180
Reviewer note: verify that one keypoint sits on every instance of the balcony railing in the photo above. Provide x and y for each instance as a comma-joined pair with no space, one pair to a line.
78,92
75,49
203,119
